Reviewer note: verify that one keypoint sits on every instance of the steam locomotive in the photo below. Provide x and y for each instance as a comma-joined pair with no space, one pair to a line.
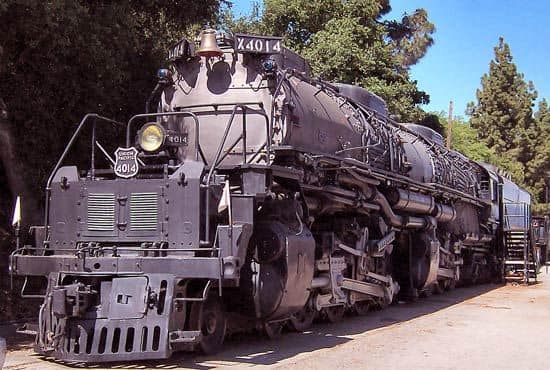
254,196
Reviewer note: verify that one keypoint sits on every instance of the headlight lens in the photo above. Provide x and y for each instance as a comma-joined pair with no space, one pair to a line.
151,137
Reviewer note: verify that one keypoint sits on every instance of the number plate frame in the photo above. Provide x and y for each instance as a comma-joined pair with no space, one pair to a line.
253,44
126,164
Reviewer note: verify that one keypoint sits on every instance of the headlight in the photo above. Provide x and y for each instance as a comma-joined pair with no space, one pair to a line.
151,137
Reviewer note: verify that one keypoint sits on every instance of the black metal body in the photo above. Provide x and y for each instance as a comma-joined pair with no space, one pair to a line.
289,197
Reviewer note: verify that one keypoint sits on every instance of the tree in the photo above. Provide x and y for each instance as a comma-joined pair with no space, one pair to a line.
61,59
503,114
463,137
538,169
411,38
347,41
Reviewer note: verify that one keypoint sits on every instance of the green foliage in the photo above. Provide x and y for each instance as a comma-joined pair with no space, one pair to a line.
538,169
503,113
347,41
503,117
411,38
251,23
64,58
464,138
540,209
433,121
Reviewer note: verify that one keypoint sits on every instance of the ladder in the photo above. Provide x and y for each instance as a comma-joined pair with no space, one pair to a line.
520,259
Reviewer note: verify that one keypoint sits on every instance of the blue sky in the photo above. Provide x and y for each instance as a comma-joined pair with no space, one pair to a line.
466,33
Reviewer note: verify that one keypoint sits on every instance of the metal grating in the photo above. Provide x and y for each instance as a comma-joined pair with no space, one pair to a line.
143,211
101,212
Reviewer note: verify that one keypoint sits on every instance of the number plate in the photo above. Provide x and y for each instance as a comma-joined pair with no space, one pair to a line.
183,49
126,164
257,44
176,139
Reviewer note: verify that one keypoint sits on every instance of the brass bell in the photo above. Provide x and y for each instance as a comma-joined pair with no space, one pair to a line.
209,47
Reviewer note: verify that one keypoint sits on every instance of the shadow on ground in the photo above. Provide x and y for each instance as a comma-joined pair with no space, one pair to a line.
258,350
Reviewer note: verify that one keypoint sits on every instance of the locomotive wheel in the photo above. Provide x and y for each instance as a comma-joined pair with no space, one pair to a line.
450,284
303,319
439,287
362,308
335,313
274,330
209,318
427,291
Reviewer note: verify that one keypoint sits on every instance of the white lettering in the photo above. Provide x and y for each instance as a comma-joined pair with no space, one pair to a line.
240,43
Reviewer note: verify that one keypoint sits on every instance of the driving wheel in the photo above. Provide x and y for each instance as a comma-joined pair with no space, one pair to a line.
274,330
303,319
334,313
362,308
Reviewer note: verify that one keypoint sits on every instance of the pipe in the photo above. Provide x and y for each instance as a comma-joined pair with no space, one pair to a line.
444,213
411,201
322,281
397,220
414,202
158,87
411,222
357,181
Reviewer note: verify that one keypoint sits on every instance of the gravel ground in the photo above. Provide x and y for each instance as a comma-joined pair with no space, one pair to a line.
481,327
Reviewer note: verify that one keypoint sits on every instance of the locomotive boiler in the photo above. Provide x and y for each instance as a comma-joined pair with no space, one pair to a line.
254,196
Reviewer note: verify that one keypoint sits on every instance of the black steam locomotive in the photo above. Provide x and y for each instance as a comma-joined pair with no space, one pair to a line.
255,196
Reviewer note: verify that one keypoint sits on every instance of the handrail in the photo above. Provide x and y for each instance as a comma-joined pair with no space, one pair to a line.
77,132
243,106
216,159
62,158
523,208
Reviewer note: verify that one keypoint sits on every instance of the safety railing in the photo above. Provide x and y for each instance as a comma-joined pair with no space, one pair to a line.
218,156
517,228
183,111
517,216
90,117
93,117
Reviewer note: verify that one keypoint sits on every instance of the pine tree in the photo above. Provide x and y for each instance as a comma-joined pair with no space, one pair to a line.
538,168
503,115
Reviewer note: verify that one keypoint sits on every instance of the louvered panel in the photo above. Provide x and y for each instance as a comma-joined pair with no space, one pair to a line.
143,211
101,212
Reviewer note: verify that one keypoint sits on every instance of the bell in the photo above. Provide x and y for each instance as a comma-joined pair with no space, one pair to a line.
209,46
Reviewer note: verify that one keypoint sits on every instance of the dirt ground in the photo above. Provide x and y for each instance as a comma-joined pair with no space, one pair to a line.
481,327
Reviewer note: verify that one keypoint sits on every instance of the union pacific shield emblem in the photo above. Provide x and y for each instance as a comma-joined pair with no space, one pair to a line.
126,164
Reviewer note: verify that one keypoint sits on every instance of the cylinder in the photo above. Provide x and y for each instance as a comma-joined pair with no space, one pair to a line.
411,201
320,282
414,222
444,213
